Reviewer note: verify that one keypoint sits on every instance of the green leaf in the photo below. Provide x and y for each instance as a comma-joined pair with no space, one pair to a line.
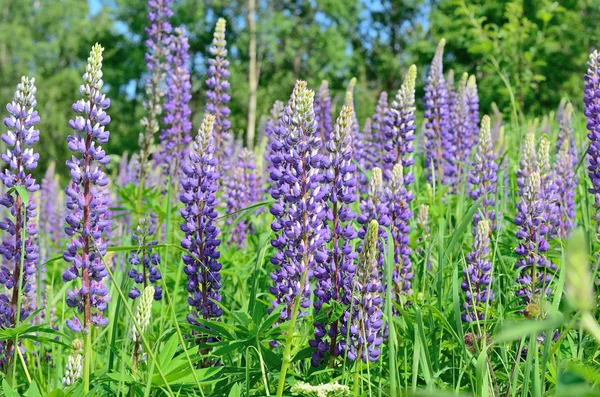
235,391
8,391
33,390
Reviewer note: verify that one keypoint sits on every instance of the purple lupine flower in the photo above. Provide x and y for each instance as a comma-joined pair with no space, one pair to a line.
400,128
333,277
323,112
144,261
483,180
528,163
398,201
375,207
566,183
175,138
378,133
566,133
359,143
534,269
299,208
478,276
271,136
472,105
440,148
158,37
50,212
217,95
199,185
591,100
362,321
459,124
549,193
241,190
86,202
20,161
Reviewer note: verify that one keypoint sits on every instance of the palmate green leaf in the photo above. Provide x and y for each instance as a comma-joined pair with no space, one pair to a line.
268,323
235,391
168,351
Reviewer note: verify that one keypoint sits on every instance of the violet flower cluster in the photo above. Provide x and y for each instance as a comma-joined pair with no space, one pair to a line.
483,180
199,185
333,277
323,112
549,193
241,190
175,138
271,136
400,128
398,200
375,207
591,100
217,95
378,134
478,276
86,209
534,269
144,261
566,183
299,208
18,268
158,37
528,163
440,148
363,321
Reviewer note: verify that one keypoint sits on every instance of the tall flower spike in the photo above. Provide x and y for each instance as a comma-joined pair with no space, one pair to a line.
400,128
198,195
74,367
375,207
472,105
217,95
566,133
359,145
459,122
50,212
20,162
528,163
591,100
478,276
144,261
272,144
86,208
549,192
241,191
299,208
323,112
483,180
141,322
362,321
566,183
440,148
534,269
378,132
175,138
158,33
398,201
333,277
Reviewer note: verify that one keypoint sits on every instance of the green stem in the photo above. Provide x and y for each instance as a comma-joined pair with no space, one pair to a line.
87,362
287,359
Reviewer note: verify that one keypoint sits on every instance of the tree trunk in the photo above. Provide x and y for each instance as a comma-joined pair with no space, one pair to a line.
252,76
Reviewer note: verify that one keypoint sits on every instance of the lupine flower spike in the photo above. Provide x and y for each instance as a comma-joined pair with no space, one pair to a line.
299,210
142,321
566,183
400,128
398,201
175,138
157,43
334,276
217,96
534,269
478,276
591,102
378,133
86,204
484,178
74,366
362,321
440,148
18,268
198,195
144,261
323,112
